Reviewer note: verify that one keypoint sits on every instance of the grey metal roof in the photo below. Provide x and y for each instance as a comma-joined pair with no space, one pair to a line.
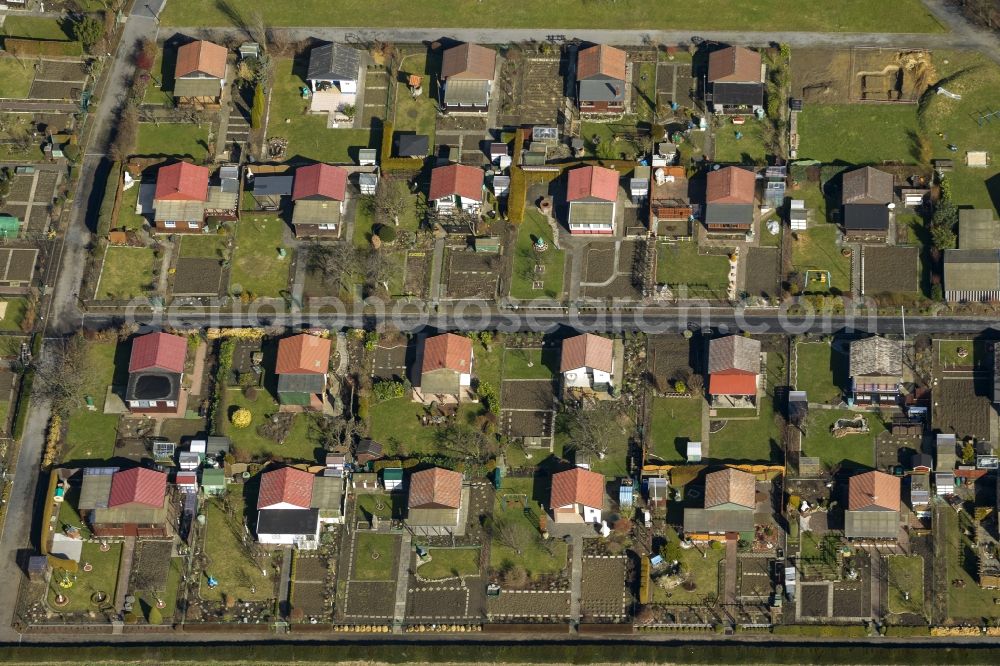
717,521
288,383
738,94
610,90
866,217
327,493
197,87
871,524
96,488
287,521
309,211
467,92
334,62
153,385
412,145
273,185
729,213
591,212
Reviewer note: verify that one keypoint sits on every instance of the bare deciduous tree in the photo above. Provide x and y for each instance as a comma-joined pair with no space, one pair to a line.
62,377
592,429
332,262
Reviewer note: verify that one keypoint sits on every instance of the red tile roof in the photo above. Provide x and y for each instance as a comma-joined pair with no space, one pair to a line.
587,351
138,485
577,486
160,351
592,182
286,485
469,61
448,350
435,488
181,181
731,185
730,486
873,490
201,57
303,355
734,64
320,181
732,383
463,180
601,60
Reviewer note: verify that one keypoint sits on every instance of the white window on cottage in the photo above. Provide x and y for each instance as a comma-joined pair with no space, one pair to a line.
169,224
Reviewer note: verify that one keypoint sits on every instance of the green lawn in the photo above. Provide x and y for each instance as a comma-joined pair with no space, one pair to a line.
396,424
857,133
257,268
644,90
415,114
103,578
699,566
173,139
375,556
674,423
975,353
821,372
307,134
525,258
36,27
450,562
228,562
364,220
538,557
748,149
300,445
977,78
12,318
385,506
209,246
161,88
704,275
596,134
966,601
849,450
127,273
127,217
749,440
91,435
15,77
906,576
544,363
69,516
816,249
844,16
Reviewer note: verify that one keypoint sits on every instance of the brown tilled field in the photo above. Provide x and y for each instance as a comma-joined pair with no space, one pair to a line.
962,406
762,271
837,76
891,269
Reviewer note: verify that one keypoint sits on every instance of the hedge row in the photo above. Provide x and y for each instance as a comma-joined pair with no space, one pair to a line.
106,215
42,47
518,195
389,163
534,652
24,395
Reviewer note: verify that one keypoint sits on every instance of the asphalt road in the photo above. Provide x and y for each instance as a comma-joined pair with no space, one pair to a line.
649,320
967,37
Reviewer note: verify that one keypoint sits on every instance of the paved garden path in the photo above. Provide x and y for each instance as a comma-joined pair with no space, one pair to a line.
124,569
286,576
402,578
576,580
436,268
732,569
